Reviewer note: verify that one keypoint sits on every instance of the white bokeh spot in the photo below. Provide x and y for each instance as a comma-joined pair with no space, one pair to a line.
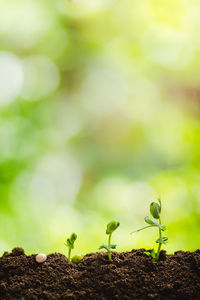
41,77
11,77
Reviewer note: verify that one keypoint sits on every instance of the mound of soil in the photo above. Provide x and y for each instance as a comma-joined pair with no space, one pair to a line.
130,275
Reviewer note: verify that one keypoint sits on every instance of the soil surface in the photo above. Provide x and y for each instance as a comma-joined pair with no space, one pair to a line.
130,275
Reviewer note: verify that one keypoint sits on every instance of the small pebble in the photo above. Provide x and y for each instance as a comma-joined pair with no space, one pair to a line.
40,258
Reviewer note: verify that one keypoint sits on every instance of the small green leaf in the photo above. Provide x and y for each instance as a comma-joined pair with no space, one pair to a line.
163,240
112,226
105,246
153,222
70,241
113,246
73,237
151,254
155,210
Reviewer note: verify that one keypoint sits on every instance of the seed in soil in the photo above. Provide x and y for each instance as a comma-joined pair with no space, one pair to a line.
40,258
76,259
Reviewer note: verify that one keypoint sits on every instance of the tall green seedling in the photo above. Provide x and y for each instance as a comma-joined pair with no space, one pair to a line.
111,227
155,211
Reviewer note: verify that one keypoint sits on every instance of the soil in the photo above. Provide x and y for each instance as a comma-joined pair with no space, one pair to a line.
130,275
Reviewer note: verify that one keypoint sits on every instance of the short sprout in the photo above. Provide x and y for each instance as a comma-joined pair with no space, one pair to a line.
111,227
70,244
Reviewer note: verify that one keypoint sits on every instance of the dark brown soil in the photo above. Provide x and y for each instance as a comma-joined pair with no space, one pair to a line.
130,275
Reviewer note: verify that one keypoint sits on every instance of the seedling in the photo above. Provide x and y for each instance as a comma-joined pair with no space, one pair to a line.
70,244
155,211
111,227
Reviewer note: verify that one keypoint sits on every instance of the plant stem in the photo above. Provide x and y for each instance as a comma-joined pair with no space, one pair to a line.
69,255
160,243
109,242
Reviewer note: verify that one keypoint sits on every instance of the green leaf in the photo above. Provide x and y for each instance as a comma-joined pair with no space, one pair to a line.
105,246
151,254
155,210
70,241
112,226
163,240
153,222
73,237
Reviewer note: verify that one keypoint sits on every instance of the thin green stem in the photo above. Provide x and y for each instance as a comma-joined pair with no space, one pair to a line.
143,228
160,243
69,255
109,242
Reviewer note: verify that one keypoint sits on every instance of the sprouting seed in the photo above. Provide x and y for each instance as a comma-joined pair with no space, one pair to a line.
70,244
111,227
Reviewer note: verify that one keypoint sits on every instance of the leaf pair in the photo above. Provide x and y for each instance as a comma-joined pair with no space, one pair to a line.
163,240
105,246
152,254
70,241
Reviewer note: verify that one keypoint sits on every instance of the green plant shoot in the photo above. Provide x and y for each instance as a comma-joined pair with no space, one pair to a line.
155,211
70,244
111,227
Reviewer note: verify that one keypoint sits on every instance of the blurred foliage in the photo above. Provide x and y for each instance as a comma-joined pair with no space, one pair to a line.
99,115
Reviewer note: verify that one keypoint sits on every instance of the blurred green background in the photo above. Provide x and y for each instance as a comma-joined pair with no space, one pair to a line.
99,115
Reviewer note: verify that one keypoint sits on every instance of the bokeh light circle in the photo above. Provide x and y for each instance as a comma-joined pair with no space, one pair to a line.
41,77
11,77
